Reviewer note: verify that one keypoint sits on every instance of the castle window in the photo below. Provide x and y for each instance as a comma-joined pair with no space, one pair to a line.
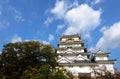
101,58
70,66
70,40
69,47
79,66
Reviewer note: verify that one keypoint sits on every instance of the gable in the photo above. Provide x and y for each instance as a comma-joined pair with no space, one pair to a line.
79,57
64,60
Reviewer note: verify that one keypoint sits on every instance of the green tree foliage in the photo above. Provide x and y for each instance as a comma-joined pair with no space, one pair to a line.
44,73
38,73
27,60
59,74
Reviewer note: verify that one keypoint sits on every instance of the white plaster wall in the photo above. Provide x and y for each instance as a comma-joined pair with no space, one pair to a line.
87,69
69,51
63,39
101,58
76,39
76,69
77,45
80,50
61,51
61,46
74,45
63,61
110,67
58,51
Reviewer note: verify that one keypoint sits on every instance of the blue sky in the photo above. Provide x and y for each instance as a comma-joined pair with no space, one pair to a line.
98,21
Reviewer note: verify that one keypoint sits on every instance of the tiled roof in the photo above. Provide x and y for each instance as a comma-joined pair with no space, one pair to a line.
70,36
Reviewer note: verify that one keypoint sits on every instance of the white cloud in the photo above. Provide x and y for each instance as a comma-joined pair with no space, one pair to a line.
92,49
59,9
16,38
87,36
110,38
74,4
43,41
82,19
48,21
96,2
79,18
60,27
51,37
104,28
46,42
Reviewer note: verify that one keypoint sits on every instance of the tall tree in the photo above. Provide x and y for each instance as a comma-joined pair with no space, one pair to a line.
16,58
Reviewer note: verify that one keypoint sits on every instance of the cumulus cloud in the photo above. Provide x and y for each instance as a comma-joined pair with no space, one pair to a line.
82,19
110,38
59,9
48,21
51,37
79,18
16,38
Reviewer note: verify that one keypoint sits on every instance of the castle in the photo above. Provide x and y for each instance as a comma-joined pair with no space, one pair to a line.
74,57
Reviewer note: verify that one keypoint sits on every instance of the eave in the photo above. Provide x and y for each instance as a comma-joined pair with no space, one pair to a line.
70,36
106,61
69,43
74,54
78,64
74,48
100,54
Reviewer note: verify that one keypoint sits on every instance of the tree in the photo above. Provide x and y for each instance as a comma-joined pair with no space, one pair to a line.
60,74
38,73
18,58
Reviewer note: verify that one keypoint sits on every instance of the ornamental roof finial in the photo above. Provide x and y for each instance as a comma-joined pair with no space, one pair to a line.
100,51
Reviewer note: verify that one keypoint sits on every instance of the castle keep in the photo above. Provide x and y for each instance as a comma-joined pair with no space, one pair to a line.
74,57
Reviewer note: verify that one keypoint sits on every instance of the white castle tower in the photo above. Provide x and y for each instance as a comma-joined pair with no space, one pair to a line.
74,57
